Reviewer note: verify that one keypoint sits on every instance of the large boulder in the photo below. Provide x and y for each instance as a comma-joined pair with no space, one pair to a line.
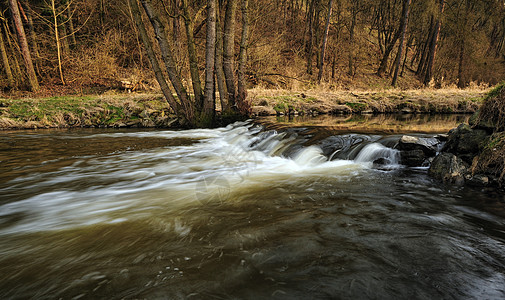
466,142
413,158
415,151
427,145
449,168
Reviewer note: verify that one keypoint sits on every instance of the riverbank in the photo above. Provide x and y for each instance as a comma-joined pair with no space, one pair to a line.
283,102
474,153
108,110
150,109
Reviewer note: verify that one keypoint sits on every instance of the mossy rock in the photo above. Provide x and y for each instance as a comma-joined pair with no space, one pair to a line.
466,142
449,168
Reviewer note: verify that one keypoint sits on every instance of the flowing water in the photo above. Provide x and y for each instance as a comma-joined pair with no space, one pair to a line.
243,212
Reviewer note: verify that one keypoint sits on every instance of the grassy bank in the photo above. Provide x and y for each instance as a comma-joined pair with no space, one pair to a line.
151,110
116,110
384,101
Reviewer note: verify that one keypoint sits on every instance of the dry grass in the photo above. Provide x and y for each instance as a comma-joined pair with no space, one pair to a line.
384,123
378,101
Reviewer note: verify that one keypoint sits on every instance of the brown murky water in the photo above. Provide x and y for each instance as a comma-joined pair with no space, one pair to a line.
241,212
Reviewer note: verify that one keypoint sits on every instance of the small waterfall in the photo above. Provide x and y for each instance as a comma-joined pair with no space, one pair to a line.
310,156
349,147
375,151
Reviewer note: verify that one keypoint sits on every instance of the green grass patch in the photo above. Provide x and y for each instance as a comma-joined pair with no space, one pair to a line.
357,106
65,111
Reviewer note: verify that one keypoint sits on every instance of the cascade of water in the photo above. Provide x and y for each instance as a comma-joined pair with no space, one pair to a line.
374,151
310,156
357,148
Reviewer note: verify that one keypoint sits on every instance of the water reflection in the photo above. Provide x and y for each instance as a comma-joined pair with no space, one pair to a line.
368,123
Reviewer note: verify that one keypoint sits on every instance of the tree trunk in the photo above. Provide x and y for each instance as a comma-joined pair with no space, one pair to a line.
27,15
462,43
351,45
461,81
426,46
405,20
390,45
154,61
5,60
34,40
409,45
18,75
168,59
317,34
32,77
333,66
325,39
242,58
73,41
192,55
58,42
63,39
310,40
64,33
220,78
433,46
207,115
228,52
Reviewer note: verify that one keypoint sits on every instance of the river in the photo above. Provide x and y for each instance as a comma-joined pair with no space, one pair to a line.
272,209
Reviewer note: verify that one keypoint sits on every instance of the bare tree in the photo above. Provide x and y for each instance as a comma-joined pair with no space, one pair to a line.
23,44
5,60
220,78
405,17
433,46
325,39
192,55
228,52
207,117
242,57
194,114
160,77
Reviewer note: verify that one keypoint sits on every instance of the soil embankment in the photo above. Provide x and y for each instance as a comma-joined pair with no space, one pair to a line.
151,110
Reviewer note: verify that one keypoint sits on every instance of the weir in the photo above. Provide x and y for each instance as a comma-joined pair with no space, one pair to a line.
244,211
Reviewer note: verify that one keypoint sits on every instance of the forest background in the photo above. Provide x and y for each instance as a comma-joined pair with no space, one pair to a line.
91,46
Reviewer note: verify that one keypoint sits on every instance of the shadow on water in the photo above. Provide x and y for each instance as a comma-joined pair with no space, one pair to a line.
278,211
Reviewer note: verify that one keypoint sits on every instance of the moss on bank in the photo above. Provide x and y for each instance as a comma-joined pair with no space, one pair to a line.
492,112
491,116
146,110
